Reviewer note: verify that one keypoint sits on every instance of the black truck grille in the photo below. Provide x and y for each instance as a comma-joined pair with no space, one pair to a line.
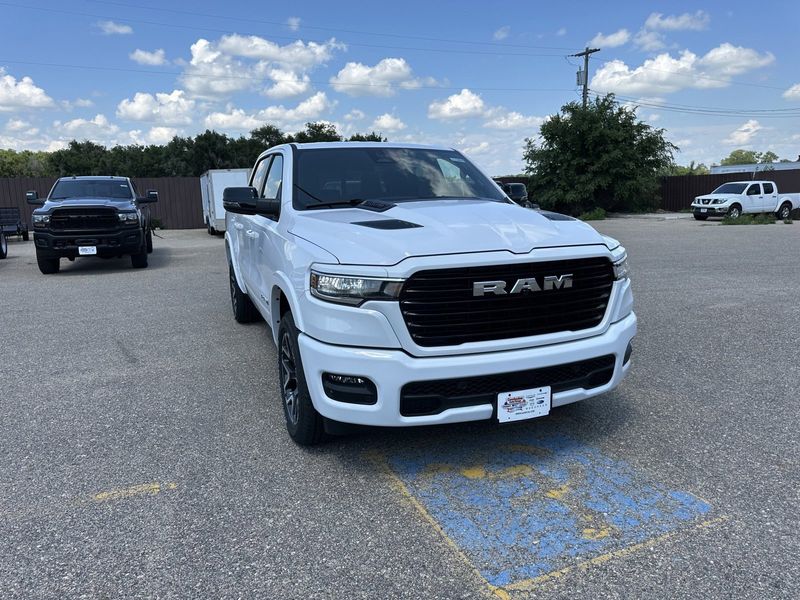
433,397
440,309
84,219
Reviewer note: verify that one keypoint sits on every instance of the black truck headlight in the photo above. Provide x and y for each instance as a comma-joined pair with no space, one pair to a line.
351,289
128,218
41,220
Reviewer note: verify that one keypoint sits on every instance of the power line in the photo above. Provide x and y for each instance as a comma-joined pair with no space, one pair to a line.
284,37
332,29
687,109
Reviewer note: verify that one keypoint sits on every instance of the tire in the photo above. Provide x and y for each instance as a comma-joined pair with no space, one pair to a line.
304,424
149,241
701,217
3,245
48,266
25,236
734,212
210,229
139,261
784,212
243,309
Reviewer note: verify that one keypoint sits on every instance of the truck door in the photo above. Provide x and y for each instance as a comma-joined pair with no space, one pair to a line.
244,231
753,199
770,197
266,239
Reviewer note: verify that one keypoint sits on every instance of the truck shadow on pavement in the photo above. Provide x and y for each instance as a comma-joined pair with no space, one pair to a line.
159,259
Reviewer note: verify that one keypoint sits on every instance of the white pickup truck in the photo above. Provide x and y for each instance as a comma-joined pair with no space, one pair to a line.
402,288
739,197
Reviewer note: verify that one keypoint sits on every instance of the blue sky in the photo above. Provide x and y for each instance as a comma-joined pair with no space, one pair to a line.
478,76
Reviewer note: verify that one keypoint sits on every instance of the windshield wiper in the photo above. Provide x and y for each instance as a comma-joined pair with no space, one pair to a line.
321,204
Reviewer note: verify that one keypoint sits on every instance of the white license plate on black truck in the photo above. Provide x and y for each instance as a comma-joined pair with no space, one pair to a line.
87,250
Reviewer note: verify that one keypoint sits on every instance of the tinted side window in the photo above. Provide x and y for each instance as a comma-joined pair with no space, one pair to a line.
754,190
272,189
768,188
260,173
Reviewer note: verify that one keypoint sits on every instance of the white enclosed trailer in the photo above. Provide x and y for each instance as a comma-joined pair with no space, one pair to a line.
212,185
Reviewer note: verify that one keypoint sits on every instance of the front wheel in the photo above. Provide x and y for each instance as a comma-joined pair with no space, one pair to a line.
243,309
3,245
25,236
784,212
734,212
139,261
48,266
303,422
149,240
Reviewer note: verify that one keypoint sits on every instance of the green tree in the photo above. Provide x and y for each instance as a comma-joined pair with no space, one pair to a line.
601,156
367,137
316,132
690,169
749,157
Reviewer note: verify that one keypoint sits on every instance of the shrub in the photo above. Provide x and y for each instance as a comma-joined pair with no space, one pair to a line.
598,214
760,219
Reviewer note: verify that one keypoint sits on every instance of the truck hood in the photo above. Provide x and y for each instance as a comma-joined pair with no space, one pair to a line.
442,227
725,197
50,205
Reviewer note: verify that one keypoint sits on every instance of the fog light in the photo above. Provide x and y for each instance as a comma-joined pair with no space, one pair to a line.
349,388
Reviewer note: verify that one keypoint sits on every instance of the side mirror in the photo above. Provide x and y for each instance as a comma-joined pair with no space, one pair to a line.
33,198
240,200
269,207
152,196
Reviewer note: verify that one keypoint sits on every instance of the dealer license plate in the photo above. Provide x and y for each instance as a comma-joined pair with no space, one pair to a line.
524,404
702,210
87,250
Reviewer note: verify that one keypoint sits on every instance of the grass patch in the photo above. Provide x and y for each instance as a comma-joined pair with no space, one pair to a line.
760,219
787,221
598,214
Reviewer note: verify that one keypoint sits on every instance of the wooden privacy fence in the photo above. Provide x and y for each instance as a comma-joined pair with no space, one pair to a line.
179,203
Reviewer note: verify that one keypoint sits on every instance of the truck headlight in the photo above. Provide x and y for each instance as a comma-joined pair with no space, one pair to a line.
128,218
717,201
40,220
621,270
353,290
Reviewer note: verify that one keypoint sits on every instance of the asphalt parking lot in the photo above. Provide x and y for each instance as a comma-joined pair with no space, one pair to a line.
144,452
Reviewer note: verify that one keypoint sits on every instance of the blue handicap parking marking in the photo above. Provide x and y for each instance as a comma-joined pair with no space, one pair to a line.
540,503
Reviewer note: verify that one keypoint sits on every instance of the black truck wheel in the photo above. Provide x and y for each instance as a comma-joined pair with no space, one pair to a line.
25,236
149,241
48,266
3,245
243,309
304,423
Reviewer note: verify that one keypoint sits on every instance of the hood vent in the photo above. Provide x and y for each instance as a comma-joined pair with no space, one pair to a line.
553,216
387,224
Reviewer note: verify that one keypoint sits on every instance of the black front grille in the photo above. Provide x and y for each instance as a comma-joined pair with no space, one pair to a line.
433,397
84,219
440,309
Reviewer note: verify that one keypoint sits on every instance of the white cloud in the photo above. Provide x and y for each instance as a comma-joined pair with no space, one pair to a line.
236,119
162,108
561,32
159,136
664,74
480,148
22,93
293,23
502,33
458,106
793,93
99,129
502,119
743,134
354,115
612,40
388,123
649,41
111,28
287,84
686,21
383,79
143,57
236,63
17,125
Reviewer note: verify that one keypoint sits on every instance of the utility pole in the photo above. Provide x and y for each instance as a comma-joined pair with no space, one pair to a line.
583,76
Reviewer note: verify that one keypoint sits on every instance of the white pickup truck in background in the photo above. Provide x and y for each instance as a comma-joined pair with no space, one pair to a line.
740,197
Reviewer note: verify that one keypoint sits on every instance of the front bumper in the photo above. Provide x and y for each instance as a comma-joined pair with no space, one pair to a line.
710,210
65,245
390,370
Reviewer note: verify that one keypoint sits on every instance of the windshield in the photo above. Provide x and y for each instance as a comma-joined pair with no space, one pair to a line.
91,188
730,188
518,189
337,175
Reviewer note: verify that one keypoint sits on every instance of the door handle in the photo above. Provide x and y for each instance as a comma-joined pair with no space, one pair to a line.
253,235
238,226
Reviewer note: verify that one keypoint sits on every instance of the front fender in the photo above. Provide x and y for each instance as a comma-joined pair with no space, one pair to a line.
234,263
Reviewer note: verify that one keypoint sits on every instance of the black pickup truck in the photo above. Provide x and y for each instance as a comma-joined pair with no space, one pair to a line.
91,216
